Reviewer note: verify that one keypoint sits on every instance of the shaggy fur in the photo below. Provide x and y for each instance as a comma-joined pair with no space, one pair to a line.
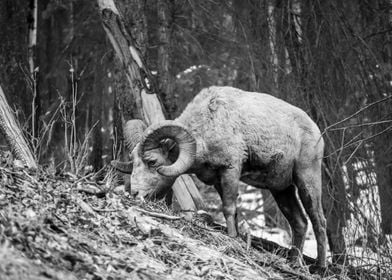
255,138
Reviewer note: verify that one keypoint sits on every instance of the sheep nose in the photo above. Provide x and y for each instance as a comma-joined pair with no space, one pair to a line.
134,194
138,195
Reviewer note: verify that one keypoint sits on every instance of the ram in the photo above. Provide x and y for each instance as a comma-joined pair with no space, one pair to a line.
226,135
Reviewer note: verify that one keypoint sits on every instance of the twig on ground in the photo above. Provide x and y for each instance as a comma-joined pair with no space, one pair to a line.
85,207
104,210
159,215
33,179
84,178
91,189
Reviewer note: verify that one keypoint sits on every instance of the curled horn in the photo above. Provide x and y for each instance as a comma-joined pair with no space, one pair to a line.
133,132
185,141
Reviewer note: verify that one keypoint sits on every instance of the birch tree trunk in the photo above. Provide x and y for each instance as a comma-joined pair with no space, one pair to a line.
14,134
33,69
142,90
272,26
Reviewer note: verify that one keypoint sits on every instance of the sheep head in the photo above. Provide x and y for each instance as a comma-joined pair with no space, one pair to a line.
165,151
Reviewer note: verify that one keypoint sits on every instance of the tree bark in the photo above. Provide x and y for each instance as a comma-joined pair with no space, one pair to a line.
384,181
33,69
334,204
97,108
14,134
165,83
272,38
383,148
139,79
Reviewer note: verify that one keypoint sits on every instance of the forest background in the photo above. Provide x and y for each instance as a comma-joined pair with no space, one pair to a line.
331,58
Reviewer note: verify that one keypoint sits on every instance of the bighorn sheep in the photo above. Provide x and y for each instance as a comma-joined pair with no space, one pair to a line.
226,135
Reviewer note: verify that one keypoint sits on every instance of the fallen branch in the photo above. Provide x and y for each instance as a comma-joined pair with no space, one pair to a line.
159,215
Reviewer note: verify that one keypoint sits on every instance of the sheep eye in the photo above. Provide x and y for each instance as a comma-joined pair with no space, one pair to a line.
152,162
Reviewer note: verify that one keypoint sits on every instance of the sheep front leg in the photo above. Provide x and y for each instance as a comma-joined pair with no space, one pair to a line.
228,190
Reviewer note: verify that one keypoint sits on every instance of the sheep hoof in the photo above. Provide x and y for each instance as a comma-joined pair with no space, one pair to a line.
317,269
295,257
232,232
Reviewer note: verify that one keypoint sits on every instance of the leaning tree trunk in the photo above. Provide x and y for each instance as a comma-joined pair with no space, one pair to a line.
14,134
142,90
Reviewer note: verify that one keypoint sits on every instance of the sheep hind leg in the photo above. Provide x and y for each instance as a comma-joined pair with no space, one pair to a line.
308,181
291,208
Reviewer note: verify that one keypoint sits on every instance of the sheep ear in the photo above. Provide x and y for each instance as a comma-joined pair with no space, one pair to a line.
124,167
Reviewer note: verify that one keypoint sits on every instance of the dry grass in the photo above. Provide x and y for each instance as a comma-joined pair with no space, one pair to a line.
72,228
